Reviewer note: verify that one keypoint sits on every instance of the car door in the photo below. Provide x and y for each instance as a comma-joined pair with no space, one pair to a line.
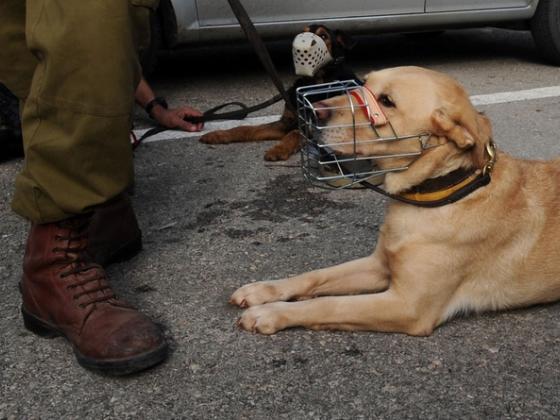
456,5
218,12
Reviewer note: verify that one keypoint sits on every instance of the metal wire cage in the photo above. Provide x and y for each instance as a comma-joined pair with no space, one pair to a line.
321,164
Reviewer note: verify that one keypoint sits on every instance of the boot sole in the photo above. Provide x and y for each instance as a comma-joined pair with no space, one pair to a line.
113,367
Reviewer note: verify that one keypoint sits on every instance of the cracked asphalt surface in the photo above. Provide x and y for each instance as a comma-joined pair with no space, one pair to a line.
215,218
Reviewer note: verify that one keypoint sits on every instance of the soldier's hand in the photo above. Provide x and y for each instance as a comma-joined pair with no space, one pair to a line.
175,118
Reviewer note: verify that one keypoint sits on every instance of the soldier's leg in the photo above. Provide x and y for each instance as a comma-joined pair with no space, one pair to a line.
114,231
76,119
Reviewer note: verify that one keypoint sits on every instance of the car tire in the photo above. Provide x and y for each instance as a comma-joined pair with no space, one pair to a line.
149,56
545,27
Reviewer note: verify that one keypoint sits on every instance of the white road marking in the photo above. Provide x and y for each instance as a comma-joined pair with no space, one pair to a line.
520,95
477,100
209,126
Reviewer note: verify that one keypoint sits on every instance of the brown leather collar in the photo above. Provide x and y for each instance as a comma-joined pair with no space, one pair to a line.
446,189
441,187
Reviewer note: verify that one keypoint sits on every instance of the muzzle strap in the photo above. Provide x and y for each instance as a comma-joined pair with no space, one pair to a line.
368,103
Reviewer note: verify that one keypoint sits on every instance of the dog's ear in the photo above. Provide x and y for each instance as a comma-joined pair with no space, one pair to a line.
344,40
484,127
460,131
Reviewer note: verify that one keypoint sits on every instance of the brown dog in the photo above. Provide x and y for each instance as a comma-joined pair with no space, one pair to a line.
285,129
493,249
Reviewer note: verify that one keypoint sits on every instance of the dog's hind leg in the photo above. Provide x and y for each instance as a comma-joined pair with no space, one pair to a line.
364,275
288,145
387,311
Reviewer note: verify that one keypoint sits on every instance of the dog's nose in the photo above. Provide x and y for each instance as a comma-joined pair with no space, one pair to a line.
322,110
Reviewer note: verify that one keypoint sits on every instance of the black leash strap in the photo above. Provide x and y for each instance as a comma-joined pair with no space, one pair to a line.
213,115
238,114
259,47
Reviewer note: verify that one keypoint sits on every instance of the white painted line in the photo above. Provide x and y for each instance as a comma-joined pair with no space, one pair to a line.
477,100
520,95
209,126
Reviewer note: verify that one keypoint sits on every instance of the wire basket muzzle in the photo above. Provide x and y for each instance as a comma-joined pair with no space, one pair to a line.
323,163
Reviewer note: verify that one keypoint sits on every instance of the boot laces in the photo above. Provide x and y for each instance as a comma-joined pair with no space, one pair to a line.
79,264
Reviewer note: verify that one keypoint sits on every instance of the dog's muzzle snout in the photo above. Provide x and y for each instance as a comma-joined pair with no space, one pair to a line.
322,111
310,53
332,155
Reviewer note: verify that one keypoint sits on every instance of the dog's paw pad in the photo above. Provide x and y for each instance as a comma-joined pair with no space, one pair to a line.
255,294
262,319
274,155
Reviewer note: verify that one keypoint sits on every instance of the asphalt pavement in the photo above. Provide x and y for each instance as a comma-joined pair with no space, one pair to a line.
217,217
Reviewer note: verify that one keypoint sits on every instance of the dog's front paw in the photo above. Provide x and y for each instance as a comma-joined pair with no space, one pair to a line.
216,137
277,153
256,294
264,319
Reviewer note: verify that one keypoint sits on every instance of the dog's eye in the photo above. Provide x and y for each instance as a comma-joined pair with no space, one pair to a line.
386,101
324,36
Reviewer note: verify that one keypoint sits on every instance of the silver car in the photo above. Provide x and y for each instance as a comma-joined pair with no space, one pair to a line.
200,22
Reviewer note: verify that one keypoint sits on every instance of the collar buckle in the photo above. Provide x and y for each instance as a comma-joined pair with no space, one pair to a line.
491,150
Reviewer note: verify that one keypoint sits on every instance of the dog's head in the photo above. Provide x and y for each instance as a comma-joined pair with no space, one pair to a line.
318,46
416,102
337,41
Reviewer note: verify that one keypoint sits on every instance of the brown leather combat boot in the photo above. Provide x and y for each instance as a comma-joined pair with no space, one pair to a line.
113,232
66,294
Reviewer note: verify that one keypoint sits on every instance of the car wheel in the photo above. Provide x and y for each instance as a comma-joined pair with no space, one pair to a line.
149,56
545,27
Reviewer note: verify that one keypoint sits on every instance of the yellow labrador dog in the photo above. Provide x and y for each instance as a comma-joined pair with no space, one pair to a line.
496,248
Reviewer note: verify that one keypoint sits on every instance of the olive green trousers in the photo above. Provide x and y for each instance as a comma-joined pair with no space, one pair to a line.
74,66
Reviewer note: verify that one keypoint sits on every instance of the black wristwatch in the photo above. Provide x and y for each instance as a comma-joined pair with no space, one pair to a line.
156,101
